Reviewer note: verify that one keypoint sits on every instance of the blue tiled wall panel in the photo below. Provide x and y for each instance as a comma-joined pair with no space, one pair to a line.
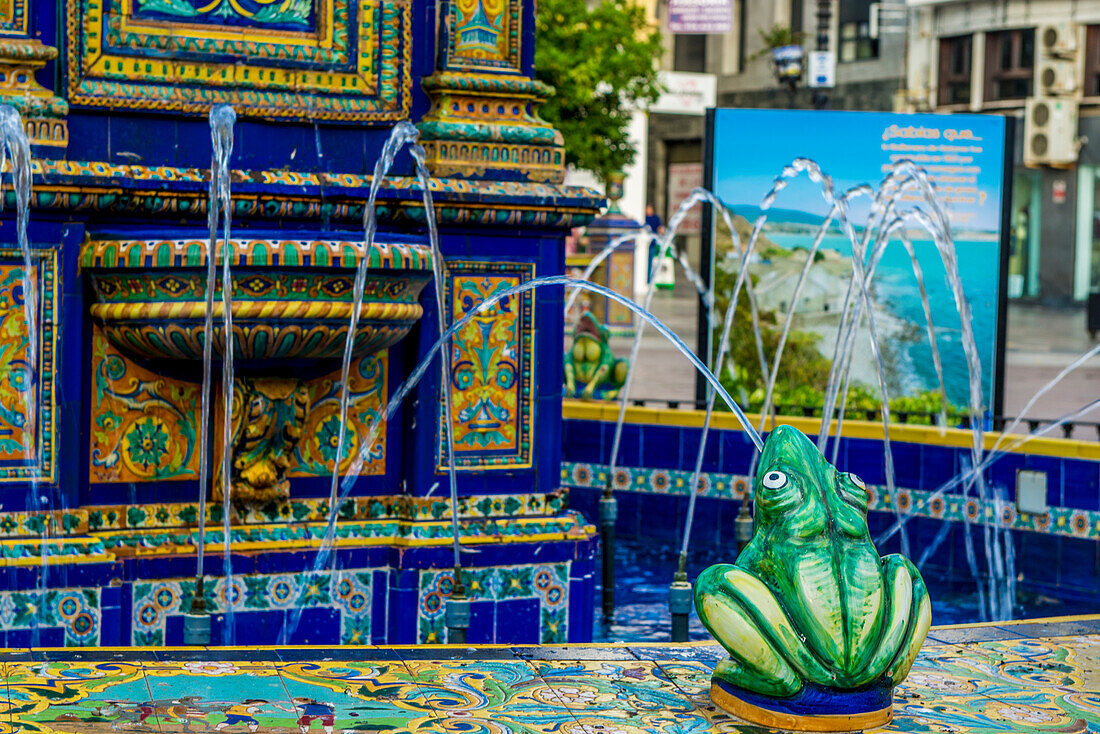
1045,557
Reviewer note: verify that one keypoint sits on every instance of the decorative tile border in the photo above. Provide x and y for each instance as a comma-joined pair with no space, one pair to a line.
94,519
1065,521
166,191
347,591
387,533
50,171
76,611
549,584
108,545
191,253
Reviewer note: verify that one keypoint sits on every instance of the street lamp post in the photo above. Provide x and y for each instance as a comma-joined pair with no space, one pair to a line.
787,65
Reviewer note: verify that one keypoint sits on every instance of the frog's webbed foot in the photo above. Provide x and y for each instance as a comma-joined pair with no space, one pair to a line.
767,655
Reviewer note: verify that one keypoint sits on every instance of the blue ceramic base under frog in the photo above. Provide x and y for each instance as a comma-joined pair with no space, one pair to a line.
814,708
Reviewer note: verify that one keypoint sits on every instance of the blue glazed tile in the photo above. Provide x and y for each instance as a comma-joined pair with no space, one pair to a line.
630,446
737,451
1080,564
1081,482
707,522
907,463
938,465
712,455
866,458
482,618
402,625
663,447
379,606
1003,472
585,501
318,626
578,610
47,637
1037,556
517,621
582,441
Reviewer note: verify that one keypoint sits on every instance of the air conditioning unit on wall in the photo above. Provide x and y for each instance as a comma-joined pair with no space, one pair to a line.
1057,39
1056,78
1050,131
1057,66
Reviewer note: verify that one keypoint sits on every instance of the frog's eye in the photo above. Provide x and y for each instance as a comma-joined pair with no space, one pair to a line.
775,480
854,479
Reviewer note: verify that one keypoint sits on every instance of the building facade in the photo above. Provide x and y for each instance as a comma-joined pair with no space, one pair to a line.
1039,62
870,47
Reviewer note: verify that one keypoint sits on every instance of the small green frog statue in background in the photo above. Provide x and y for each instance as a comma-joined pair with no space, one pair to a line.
819,628
590,365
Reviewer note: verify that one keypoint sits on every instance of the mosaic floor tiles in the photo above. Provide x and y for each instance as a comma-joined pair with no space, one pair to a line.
1043,684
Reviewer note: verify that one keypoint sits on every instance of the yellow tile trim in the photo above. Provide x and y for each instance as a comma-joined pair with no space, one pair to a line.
930,435
1038,620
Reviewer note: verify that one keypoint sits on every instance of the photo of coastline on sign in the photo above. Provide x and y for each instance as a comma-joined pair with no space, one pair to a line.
964,157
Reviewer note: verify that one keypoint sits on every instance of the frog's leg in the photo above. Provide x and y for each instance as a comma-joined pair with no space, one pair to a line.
920,619
767,654
908,616
595,382
570,375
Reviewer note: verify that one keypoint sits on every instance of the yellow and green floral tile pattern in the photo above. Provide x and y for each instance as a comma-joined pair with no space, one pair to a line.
1033,684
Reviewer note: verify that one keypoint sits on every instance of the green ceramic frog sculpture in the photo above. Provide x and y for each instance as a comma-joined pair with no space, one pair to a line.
590,364
818,626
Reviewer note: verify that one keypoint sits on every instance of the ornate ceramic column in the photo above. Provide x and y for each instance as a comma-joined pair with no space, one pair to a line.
21,57
484,118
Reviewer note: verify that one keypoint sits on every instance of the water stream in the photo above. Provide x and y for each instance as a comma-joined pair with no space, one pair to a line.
438,269
222,119
15,151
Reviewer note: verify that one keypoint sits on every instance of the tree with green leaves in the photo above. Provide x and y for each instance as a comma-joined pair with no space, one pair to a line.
602,61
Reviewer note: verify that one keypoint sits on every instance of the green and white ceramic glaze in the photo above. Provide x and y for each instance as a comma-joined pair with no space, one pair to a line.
810,604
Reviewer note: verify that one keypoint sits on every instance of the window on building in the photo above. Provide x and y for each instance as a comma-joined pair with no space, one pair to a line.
1092,61
954,72
796,16
689,52
1009,64
856,43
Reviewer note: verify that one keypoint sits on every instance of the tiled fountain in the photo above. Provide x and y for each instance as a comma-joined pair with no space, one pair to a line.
115,102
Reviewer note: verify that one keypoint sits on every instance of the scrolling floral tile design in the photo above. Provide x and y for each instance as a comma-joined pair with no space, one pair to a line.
492,367
320,59
1038,685
20,374
316,449
144,426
